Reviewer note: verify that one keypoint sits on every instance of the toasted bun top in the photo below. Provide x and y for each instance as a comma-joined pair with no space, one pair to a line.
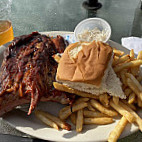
84,62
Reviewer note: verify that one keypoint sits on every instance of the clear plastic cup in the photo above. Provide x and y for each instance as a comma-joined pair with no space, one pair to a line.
90,24
6,30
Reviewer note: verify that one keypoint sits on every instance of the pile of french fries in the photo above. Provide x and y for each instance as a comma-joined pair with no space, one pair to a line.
102,110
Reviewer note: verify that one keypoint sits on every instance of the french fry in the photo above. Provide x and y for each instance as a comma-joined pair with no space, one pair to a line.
135,71
116,132
73,118
115,57
87,113
102,109
138,120
79,100
90,107
139,78
132,106
115,60
122,59
115,100
132,55
122,111
118,52
46,120
98,121
139,102
139,57
130,64
135,81
79,120
64,88
66,111
123,77
55,119
56,58
131,98
127,91
134,88
104,99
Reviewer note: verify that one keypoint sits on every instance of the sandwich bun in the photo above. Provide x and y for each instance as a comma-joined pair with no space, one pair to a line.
84,62
87,67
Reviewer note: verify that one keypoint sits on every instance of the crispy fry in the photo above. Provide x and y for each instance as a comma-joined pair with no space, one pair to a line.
101,98
131,98
73,118
81,100
134,63
87,113
134,88
139,78
46,120
55,119
79,120
122,59
64,88
116,57
116,132
132,106
104,99
66,111
135,81
118,52
115,100
102,109
122,111
127,91
123,77
132,55
138,120
139,57
135,71
115,60
56,58
90,107
139,102
99,121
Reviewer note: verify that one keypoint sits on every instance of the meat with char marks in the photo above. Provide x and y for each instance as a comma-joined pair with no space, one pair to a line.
28,70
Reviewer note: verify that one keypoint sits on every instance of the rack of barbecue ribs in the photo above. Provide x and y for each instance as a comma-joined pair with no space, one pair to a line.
28,70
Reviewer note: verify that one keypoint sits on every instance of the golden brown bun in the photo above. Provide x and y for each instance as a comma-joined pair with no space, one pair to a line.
87,66
65,88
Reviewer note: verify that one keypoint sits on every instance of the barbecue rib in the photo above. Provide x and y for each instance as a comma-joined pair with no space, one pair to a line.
28,70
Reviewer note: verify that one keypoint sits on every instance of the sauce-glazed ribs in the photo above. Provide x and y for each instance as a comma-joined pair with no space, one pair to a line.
28,70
